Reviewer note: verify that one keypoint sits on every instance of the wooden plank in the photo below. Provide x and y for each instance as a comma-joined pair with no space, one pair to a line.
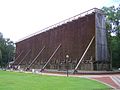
84,53
51,57
35,58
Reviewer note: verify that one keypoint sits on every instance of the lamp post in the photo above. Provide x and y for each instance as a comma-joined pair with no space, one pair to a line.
67,57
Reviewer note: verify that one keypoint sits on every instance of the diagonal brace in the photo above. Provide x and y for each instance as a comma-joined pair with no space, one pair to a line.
84,53
35,58
51,57
24,57
18,56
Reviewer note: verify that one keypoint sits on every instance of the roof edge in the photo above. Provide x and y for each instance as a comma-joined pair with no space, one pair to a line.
62,22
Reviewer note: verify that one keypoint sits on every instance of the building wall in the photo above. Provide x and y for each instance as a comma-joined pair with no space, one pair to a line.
73,36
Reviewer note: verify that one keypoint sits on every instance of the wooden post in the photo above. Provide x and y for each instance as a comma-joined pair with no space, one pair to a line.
50,57
35,58
24,57
84,54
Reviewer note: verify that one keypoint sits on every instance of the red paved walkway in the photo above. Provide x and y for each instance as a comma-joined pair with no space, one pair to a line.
107,80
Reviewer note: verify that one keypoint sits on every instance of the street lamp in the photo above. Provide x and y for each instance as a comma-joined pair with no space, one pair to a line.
67,57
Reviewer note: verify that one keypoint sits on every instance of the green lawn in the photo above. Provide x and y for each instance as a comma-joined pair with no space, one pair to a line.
23,81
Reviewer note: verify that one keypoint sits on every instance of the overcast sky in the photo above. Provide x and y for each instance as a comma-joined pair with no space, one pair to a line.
19,18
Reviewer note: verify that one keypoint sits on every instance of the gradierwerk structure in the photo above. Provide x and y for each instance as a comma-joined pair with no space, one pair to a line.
79,43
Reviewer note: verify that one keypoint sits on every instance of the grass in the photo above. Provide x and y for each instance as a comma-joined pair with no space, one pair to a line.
23,81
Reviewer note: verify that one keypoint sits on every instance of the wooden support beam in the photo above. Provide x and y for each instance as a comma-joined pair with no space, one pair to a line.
18,56
50,57
24,57
35,58
84,53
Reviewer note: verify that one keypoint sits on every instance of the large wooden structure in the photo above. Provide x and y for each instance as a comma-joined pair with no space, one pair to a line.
82,38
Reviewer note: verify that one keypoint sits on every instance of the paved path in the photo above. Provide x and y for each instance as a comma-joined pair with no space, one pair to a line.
116,79
113,81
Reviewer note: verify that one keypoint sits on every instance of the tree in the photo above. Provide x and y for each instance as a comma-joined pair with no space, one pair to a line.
0,55
6,50
113,28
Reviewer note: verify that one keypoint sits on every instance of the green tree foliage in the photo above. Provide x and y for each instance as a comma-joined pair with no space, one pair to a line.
113,27
0,55
6,51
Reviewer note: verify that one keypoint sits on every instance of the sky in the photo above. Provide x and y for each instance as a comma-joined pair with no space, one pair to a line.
20,18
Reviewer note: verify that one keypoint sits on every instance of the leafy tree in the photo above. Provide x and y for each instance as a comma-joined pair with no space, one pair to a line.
0,55
6,50
113,27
